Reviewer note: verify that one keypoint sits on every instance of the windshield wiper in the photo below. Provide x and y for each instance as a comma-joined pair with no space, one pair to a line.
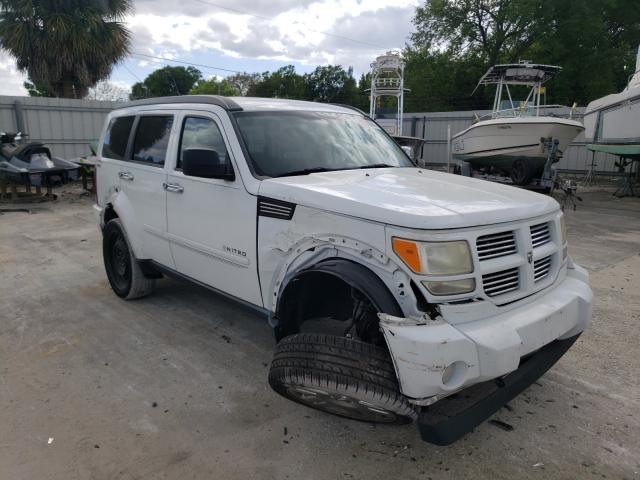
307,171
377,165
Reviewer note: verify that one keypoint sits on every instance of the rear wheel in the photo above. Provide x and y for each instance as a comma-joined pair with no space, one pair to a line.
124,273
341,376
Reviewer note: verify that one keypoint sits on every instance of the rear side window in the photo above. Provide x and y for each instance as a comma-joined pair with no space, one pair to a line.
152,138
117,137
201,133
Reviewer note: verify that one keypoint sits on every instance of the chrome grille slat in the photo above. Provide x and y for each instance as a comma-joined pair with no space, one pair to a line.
499,283
496,245
541,268
540,234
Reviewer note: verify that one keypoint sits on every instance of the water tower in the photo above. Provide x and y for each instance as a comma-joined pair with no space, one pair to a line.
387,80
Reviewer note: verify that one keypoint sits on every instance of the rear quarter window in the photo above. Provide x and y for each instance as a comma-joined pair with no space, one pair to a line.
152,139
117,137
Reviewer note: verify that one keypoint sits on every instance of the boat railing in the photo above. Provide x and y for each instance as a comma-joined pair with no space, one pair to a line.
387,82
529,111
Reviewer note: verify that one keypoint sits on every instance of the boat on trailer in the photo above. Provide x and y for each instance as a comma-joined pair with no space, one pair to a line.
613,122
516,139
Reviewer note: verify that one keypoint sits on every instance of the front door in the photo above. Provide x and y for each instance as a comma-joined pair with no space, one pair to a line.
212,222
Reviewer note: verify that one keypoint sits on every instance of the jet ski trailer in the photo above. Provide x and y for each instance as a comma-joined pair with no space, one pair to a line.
519,140
31,163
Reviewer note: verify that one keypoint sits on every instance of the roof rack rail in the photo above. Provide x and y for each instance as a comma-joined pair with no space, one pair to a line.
224,102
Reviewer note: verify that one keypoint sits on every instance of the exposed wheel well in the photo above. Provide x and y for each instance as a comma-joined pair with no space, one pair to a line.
337,297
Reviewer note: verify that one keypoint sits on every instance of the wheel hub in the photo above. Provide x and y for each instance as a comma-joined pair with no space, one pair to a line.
120,256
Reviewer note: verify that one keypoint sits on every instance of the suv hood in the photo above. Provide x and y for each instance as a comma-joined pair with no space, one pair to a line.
410,197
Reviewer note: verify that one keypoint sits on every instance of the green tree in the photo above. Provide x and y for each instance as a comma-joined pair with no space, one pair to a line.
455,41
65,46
283,83
215,87
595,42
36,90
332,84
244,82
495,29
167,81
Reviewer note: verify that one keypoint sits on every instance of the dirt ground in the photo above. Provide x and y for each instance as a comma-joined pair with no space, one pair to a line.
174,385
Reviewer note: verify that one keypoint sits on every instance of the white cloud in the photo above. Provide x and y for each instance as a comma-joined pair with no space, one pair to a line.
10,78
280,30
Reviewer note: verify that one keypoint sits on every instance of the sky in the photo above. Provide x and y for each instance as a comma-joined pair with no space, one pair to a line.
252,36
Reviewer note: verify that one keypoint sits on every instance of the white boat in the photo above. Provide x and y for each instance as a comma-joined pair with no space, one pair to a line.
613,122
515,138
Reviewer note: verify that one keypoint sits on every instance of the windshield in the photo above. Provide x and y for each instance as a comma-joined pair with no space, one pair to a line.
295,143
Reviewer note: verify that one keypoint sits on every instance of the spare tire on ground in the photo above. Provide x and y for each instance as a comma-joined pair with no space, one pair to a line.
341,376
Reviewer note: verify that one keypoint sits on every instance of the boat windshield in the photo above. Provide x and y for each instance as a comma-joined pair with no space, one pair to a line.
519,108
286,143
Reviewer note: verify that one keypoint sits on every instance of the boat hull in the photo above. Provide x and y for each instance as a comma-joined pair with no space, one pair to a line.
498,142
614,120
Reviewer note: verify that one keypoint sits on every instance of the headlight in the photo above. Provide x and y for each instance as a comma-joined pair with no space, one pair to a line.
435,258
563,230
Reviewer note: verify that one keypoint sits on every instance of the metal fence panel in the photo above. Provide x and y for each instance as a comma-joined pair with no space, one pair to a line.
68,126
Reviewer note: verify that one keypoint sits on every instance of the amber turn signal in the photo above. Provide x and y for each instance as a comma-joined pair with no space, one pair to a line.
408,252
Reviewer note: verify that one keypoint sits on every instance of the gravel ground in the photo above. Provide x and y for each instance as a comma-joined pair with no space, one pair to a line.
174,385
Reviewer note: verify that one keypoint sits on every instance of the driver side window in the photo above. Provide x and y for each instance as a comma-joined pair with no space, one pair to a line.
201,133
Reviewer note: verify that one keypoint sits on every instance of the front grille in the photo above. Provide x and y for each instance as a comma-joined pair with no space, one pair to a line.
502,282
540,234
541,268
496,245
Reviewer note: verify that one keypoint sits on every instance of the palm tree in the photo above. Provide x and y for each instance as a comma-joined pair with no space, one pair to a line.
65,46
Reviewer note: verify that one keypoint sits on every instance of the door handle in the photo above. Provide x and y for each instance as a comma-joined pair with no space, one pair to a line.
173,187
126,176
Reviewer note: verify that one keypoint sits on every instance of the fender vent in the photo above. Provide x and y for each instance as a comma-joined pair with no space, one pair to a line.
268,207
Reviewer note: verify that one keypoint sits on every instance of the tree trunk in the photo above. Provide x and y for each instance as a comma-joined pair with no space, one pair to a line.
67,88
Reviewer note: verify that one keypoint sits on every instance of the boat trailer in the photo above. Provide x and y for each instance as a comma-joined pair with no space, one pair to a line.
545,183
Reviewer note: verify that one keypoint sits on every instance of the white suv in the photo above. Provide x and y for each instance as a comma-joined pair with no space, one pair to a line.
389,287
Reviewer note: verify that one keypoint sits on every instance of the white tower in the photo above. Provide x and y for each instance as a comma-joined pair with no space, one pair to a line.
387,80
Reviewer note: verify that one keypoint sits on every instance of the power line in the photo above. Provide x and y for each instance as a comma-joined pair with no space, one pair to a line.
184,63
263,17
132,74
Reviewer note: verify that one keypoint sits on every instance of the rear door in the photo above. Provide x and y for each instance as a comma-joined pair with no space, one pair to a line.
111,154
211,221
142,178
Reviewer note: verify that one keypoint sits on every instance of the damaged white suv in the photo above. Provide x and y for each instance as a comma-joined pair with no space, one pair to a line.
389,287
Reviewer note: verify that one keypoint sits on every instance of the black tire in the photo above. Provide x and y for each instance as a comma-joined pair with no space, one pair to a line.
521,172
340,376
124,273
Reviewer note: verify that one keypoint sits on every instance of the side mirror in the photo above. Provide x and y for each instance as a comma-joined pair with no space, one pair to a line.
200,162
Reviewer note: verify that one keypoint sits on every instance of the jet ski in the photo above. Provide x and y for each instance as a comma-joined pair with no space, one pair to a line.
32,163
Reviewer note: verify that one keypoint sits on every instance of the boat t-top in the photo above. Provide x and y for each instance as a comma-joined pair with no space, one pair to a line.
516,137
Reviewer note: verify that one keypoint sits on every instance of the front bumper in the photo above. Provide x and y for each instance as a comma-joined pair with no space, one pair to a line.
447,421
434,359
